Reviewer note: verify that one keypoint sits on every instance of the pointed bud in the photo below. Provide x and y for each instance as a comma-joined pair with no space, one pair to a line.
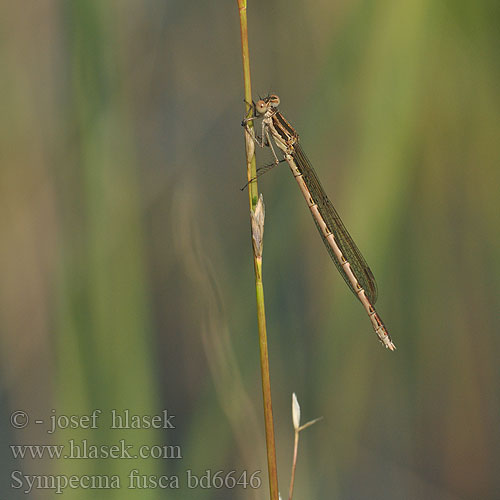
257,217
295,412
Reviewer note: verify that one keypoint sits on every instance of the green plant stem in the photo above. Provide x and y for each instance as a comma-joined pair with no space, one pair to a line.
294,463
261,314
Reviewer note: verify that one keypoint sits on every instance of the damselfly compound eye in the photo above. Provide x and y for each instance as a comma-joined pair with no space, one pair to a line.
274,100
260,107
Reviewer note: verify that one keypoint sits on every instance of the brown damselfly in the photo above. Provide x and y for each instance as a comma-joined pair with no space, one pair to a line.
341,247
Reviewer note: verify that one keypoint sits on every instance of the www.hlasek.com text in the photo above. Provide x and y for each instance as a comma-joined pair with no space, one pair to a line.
83,449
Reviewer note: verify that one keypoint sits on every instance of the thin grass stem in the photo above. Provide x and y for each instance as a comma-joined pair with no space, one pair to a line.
259,287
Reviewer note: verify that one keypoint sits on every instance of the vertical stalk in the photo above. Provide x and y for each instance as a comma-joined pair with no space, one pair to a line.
294,464
257,256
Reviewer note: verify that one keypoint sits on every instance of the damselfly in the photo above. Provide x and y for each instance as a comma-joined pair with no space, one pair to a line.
341,247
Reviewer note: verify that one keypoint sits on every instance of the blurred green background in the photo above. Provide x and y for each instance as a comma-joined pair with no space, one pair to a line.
126,268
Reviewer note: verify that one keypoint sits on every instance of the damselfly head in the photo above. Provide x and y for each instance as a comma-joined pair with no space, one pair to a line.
272,101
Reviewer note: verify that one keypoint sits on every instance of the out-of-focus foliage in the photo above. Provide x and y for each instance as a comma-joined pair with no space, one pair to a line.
125,256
